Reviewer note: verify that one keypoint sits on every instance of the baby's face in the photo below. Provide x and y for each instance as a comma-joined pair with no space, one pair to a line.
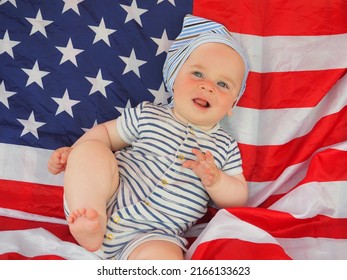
207,85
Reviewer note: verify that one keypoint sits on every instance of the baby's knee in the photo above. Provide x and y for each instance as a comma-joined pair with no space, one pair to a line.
89,145
157,250
91,149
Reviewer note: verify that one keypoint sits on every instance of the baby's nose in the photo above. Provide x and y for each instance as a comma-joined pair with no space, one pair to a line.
206,86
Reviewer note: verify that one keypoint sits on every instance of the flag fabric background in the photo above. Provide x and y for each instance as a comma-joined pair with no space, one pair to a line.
67,65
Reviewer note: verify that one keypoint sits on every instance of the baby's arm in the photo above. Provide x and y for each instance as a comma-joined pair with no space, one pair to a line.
226,191
105,133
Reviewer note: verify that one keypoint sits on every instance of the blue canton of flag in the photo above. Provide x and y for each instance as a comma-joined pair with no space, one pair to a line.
67,65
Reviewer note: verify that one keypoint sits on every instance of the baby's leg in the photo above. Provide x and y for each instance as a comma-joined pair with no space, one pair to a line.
157,250
91,178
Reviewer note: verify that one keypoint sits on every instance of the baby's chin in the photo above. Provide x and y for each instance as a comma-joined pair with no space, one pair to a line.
204,126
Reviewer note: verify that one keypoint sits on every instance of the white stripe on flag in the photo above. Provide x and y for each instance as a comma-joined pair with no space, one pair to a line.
24,163
40,242
306,248
315,198
294,53
15,214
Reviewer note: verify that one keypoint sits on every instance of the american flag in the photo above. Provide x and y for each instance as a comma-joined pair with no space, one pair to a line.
67,65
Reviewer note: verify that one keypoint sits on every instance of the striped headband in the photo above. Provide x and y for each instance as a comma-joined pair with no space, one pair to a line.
195,32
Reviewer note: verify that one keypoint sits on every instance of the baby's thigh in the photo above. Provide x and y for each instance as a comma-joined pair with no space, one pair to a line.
157,250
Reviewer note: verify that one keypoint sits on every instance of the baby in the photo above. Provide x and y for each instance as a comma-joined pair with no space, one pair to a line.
134,185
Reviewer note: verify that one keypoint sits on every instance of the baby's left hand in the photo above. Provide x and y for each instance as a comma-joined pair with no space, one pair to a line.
204,167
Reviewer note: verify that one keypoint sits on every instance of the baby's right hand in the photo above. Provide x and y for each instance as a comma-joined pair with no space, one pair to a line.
57,161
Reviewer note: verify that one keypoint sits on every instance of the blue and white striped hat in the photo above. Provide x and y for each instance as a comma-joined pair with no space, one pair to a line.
195,32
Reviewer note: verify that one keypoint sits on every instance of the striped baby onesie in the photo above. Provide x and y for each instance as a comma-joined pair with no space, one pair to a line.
157,198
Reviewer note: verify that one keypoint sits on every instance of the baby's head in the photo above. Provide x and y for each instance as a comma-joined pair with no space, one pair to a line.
205,71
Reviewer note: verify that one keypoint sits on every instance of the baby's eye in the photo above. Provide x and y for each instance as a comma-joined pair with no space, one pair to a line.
197,74
223,84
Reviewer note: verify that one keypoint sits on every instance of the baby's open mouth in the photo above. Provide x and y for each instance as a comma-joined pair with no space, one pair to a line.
201,102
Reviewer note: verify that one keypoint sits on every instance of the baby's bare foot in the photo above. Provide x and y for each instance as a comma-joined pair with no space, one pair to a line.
88,227
75,214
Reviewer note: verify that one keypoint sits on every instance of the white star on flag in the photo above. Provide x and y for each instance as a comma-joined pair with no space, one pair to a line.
134,12
121,109
171,1
13,2
99,84
6,44
163,43
39,24
102,33
132,63
5,94
69,53
35,75
65,104
161,95
86,129
30,125
72,5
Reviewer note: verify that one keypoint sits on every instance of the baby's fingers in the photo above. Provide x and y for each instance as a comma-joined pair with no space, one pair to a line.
54,160
64,155
54,168
200,155
191,164
57,161
209,157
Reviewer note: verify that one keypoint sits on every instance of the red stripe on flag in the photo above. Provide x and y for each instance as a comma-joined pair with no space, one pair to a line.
330,165
32,198
16,256
328,131
235,249
276,17
320,169
59,230
288,89
287,226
